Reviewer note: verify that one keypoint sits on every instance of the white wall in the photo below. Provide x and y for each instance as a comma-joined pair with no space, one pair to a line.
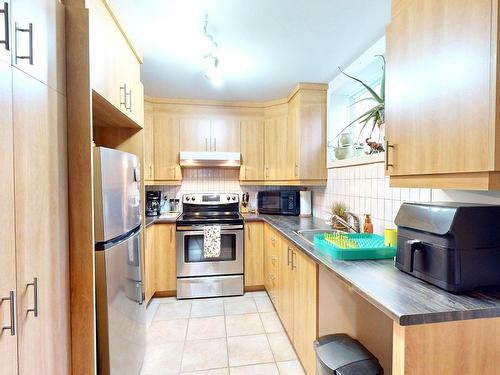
365,189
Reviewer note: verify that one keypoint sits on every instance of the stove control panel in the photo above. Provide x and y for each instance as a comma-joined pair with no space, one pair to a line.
205,199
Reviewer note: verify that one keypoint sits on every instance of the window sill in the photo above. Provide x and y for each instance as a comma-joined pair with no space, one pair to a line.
359,160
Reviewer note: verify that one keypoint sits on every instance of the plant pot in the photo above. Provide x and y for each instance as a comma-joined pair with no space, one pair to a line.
346,139
345,152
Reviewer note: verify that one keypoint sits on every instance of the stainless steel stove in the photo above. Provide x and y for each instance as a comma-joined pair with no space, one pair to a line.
198,276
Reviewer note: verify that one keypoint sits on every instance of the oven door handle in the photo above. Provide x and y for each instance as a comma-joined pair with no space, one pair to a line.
199,228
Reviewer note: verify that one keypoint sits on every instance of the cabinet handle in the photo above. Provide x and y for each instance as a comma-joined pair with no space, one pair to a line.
245,171
13,313
248,227
206,144
386,159
267,172
288,261
175,172
29,30
5,12
294,258
129,95
124,90
215,144
34,284
150,171
296,171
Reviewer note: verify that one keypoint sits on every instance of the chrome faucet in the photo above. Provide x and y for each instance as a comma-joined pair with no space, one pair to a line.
353,228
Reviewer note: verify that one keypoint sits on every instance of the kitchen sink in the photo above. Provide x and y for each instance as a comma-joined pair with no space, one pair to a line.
308,234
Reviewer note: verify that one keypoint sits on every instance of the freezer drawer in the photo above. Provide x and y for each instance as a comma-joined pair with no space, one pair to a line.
216,286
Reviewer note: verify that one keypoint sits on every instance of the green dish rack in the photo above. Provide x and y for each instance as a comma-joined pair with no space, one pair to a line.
369,246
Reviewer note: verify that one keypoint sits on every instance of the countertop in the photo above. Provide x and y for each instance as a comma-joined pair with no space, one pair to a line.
158,219
404,298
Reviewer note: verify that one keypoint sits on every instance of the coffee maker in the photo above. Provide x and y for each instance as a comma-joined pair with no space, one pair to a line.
153,200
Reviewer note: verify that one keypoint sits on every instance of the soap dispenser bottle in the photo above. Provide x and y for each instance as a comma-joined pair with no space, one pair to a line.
368,225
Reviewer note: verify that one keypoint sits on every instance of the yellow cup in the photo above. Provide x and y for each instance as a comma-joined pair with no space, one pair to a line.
390,237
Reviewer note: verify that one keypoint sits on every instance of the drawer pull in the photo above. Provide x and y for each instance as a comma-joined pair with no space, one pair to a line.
294,258
28,30
13,313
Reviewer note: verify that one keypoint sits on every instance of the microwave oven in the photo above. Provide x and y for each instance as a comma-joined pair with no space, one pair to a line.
278,202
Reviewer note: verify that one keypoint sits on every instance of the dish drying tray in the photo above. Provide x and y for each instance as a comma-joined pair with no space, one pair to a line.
355,246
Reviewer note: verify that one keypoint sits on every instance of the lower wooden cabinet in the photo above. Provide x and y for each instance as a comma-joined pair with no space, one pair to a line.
254,254
164,254
291,281
149,263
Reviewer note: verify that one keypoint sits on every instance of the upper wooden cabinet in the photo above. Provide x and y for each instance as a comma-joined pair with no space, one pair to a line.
210,134
276,163
307,135
114,62
195,134
282,142
166,147
252,150
148,161
37,40
441,95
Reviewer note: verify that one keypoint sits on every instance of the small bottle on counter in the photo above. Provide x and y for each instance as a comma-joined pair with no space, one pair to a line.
368,225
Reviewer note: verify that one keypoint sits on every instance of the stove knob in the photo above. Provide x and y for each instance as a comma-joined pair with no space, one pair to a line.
193,198
228,198
234,198
187,198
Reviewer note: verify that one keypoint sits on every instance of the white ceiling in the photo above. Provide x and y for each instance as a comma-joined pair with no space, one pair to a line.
265,46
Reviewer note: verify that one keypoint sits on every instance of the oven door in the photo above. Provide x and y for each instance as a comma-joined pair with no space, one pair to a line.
190,257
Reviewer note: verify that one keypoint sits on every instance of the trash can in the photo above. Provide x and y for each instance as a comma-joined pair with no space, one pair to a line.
340,354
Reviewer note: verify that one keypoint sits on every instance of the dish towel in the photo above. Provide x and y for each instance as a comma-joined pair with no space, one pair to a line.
211,241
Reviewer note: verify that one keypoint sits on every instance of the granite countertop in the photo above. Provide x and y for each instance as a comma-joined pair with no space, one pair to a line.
159,219
404,298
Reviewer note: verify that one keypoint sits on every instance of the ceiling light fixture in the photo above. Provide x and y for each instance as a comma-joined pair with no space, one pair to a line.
212,72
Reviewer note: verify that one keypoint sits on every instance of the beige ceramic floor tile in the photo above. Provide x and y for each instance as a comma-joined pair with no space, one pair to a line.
248,350
281,347
206,328
264,304
166,331
263,369
163,359
207,307
204,355
271,322
245,324
239,305
290,368
255,294
220,371
175,310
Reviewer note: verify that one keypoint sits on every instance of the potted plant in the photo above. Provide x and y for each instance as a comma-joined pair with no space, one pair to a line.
375,116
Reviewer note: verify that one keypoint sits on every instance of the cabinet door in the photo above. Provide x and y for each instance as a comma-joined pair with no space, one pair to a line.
254,254
305,310
137,102
149,263
272,245
293,137
195,134
8,342
438,87
166,277
287,285
40,159
225,135
166,147
149,145
276,148
38,40
5,34
252,150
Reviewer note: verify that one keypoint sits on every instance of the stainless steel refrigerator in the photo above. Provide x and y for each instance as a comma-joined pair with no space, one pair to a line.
120,311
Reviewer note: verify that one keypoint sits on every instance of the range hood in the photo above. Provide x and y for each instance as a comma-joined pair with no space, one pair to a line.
210,159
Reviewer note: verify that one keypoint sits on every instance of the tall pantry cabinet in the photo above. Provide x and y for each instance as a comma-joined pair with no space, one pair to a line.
34,280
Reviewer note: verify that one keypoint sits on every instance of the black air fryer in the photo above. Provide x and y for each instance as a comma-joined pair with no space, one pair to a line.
455,246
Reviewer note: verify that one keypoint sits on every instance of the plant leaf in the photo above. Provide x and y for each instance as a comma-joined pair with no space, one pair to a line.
362,100
370,90
382,84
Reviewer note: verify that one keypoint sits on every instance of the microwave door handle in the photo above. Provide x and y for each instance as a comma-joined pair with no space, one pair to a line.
409,254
